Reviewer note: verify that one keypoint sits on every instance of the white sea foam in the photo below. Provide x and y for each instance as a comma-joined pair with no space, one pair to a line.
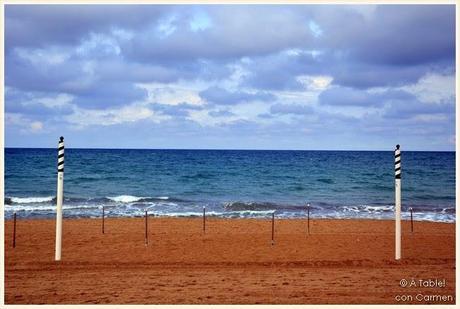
254,212
367,208
187,214
351,208
378,208
162,197
31,208
125,198
34,199
47,207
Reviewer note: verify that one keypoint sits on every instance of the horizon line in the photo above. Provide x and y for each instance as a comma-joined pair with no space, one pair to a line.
227,149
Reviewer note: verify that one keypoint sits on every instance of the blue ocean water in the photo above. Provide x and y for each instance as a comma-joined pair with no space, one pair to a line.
229,183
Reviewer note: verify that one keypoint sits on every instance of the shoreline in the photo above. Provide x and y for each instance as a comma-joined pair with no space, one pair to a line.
346,261
211,216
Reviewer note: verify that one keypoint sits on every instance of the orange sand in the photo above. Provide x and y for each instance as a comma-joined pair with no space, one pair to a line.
341,262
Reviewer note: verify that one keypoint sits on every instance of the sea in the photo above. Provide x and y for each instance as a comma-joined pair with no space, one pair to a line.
229,183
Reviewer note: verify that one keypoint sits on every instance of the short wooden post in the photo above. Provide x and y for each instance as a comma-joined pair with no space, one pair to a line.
146,229
273,228
14,230
103,223
204,219
411,220
308,219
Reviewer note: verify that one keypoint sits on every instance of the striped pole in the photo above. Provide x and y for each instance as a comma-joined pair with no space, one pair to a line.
59,198
397,203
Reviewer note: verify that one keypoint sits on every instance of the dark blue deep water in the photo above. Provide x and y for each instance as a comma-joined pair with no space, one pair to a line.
230,183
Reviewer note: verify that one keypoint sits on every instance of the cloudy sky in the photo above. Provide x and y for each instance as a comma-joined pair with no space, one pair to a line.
231,77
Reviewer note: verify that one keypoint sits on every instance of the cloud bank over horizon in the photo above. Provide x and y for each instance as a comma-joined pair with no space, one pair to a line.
345,77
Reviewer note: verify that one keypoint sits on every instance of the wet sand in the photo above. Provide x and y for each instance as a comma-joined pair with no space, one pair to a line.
340,262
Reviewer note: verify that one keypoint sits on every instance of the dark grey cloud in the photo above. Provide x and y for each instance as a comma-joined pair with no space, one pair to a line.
162,72
411,108
36,109
94,94
179,110
279,71
396,45
98,53
390,34
30,103
266,116
410,36
112,76
40,26
363,76
342,96
91,85
220,113
22,74
228,37
106,94
221,96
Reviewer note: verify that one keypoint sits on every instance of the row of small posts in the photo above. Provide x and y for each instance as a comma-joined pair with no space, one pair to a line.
204,224
60,188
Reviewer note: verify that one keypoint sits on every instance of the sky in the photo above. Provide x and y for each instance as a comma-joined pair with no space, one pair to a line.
313,77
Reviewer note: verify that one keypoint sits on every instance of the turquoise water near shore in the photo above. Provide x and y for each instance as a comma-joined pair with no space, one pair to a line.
229,183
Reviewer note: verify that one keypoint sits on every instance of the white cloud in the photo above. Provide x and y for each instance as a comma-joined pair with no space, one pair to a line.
100,43
294,52
367,10
60,100
433,88
88,117
14,119
166,26
315,83
200,21
174,94
122,34
430,118
315,29
36,126
40,57
239,72
204,119
25,124
250,111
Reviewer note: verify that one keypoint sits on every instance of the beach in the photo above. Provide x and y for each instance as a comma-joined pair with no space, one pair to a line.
347,261
281,154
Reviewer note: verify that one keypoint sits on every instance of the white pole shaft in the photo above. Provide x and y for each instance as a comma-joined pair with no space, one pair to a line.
397,203
59,198
398,219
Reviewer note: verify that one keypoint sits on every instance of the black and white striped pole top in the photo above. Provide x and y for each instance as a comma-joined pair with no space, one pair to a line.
397,163
61,155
